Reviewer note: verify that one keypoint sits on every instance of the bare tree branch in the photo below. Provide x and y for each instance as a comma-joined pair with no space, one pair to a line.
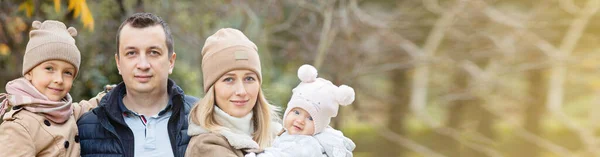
434,6
326,37
366,18
569,6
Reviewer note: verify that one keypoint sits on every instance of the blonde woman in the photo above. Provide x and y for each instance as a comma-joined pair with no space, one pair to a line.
234,117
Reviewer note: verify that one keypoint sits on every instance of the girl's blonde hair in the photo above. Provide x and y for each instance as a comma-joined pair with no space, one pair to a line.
203,113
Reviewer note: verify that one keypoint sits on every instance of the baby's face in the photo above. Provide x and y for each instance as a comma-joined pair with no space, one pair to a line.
299,122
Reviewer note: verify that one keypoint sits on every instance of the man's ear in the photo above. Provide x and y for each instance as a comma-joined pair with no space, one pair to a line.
117,61
172,62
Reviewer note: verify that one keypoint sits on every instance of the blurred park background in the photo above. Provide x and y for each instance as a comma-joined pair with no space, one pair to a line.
435,78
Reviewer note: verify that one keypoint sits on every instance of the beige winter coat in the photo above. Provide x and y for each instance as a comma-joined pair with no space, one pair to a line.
211,145
27,134
222,144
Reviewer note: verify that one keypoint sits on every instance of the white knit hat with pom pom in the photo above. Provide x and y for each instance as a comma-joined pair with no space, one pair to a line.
319,97
51,40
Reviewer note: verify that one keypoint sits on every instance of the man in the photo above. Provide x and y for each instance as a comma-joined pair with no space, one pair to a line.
146,114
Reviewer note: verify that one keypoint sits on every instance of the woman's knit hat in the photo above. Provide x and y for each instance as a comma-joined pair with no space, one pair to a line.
228,49
319,97
51,40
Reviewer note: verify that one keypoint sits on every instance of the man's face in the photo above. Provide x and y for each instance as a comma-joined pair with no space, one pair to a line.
143,59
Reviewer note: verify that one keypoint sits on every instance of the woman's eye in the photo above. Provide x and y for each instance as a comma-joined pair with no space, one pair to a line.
249,78
49,68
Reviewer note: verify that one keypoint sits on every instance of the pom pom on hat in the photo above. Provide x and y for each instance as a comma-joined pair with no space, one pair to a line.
307,73
344,95
36,24
72,31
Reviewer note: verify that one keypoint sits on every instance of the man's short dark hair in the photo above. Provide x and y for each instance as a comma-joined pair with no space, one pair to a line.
143,20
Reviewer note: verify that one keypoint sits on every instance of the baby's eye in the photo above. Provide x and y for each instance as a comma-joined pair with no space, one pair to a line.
296,112
310,118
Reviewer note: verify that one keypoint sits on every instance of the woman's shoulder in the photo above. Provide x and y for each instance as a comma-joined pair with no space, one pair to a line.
209,138
210,144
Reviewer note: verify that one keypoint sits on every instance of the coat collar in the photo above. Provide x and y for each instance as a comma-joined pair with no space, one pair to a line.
110,101
237,138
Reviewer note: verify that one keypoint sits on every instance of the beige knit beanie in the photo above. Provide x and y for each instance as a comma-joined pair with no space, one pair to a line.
228,49
51,40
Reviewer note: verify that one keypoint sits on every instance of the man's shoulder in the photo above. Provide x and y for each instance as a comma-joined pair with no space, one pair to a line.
188,102
190,99
89,118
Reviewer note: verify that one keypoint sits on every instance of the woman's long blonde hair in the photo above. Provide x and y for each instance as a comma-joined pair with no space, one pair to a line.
203,113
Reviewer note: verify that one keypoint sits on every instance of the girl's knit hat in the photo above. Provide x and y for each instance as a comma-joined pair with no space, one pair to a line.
319,97
48,41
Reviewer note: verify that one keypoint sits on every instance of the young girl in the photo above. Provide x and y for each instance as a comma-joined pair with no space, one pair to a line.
306,120
42,120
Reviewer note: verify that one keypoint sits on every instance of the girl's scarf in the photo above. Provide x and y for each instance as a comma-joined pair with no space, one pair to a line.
20,93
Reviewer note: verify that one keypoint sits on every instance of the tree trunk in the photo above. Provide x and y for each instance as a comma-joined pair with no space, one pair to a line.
397,113
455,110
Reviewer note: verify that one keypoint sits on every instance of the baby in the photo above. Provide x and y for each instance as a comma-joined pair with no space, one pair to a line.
306,120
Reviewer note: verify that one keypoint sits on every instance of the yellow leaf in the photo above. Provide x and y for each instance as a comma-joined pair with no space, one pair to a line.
86,17
57,5
4,50
19,24
71,4
27,6
80,9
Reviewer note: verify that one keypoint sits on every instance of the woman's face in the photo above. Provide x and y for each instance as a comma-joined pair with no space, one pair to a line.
236,92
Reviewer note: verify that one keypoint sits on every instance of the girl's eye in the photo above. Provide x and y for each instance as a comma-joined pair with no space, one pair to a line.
229,79
310,118
69,73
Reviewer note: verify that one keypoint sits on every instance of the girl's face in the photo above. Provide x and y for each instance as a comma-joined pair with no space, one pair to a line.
236,92
299,122
53,78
